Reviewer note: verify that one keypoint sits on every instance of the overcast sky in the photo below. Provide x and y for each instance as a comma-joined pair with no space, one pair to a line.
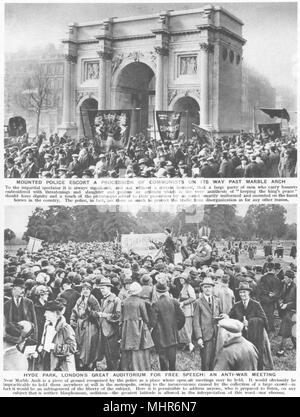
270,28
16,217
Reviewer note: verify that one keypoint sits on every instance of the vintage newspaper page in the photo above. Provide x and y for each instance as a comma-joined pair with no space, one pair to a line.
149,200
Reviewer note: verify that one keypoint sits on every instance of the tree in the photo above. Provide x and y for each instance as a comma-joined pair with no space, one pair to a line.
9,235
35,93
266,221
291,232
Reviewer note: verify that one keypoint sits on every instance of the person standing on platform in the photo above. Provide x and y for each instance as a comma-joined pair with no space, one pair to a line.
169,247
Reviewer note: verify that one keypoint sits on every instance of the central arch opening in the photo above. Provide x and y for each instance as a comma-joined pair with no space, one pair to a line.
136,90
88,110
189,109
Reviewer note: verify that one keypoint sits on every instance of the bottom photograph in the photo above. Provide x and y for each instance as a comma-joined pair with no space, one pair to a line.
144,288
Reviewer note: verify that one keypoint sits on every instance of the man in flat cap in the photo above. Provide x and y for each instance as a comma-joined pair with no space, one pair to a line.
237,353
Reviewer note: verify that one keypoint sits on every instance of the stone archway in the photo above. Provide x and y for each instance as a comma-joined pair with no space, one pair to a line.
88,109
135,89
189,108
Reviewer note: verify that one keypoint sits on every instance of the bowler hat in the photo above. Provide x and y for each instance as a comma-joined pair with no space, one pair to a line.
19,282
244,286
161,287
105,282
207,281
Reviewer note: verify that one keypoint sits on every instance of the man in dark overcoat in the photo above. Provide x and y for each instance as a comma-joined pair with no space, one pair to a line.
20,308
167,319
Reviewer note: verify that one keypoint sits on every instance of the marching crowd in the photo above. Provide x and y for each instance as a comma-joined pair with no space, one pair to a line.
70,305
243,155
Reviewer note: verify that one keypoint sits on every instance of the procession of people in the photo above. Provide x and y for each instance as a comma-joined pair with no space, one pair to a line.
70,306
243,155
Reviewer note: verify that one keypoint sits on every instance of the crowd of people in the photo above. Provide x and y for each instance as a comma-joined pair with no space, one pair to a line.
243,155
71,305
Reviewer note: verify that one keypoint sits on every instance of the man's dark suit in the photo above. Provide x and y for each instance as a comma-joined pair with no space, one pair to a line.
25,311
167,319
205,327
257,322
71,296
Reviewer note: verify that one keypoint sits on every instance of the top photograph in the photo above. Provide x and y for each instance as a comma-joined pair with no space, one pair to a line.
163,90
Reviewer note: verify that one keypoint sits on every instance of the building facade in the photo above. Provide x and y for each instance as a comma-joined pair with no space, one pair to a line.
188,61
19,69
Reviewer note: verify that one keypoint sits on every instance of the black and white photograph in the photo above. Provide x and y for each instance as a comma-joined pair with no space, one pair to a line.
150,90
141,288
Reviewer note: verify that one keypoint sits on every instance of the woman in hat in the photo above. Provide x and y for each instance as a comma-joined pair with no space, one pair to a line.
58,344
187,298
123,294
84,320
42,293
136,340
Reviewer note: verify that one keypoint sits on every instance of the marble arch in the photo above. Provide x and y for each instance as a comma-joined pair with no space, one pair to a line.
184,50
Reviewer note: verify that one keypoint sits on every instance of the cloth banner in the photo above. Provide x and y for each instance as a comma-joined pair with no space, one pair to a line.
112,127
203,134
16,126
281,113
141,242
34,244
168,123
270,130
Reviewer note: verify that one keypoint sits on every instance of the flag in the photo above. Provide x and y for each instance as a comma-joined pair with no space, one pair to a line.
16,126
270,130
168,123
203,134
281,113
110,127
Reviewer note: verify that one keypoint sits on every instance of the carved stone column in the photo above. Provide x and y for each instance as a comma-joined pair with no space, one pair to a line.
159,80
102,97
205,49
70,60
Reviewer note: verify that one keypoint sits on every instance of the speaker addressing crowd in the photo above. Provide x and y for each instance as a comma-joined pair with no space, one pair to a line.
71,305
243,155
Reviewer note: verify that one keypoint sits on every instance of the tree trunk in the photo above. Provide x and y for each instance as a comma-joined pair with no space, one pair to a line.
38,122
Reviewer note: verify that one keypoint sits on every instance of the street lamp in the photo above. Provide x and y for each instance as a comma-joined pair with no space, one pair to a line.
140,117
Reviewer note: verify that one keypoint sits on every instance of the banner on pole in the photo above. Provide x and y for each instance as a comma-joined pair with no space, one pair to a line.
168,124
270,130
112,127
16,126
34,244
203,135
141,242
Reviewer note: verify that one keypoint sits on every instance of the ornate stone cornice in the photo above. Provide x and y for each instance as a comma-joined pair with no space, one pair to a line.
207,47
172,93
135,55
105,55
161,50
71,58
80,94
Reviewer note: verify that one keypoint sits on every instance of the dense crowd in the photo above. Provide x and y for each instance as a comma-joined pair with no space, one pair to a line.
70,305
243,155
